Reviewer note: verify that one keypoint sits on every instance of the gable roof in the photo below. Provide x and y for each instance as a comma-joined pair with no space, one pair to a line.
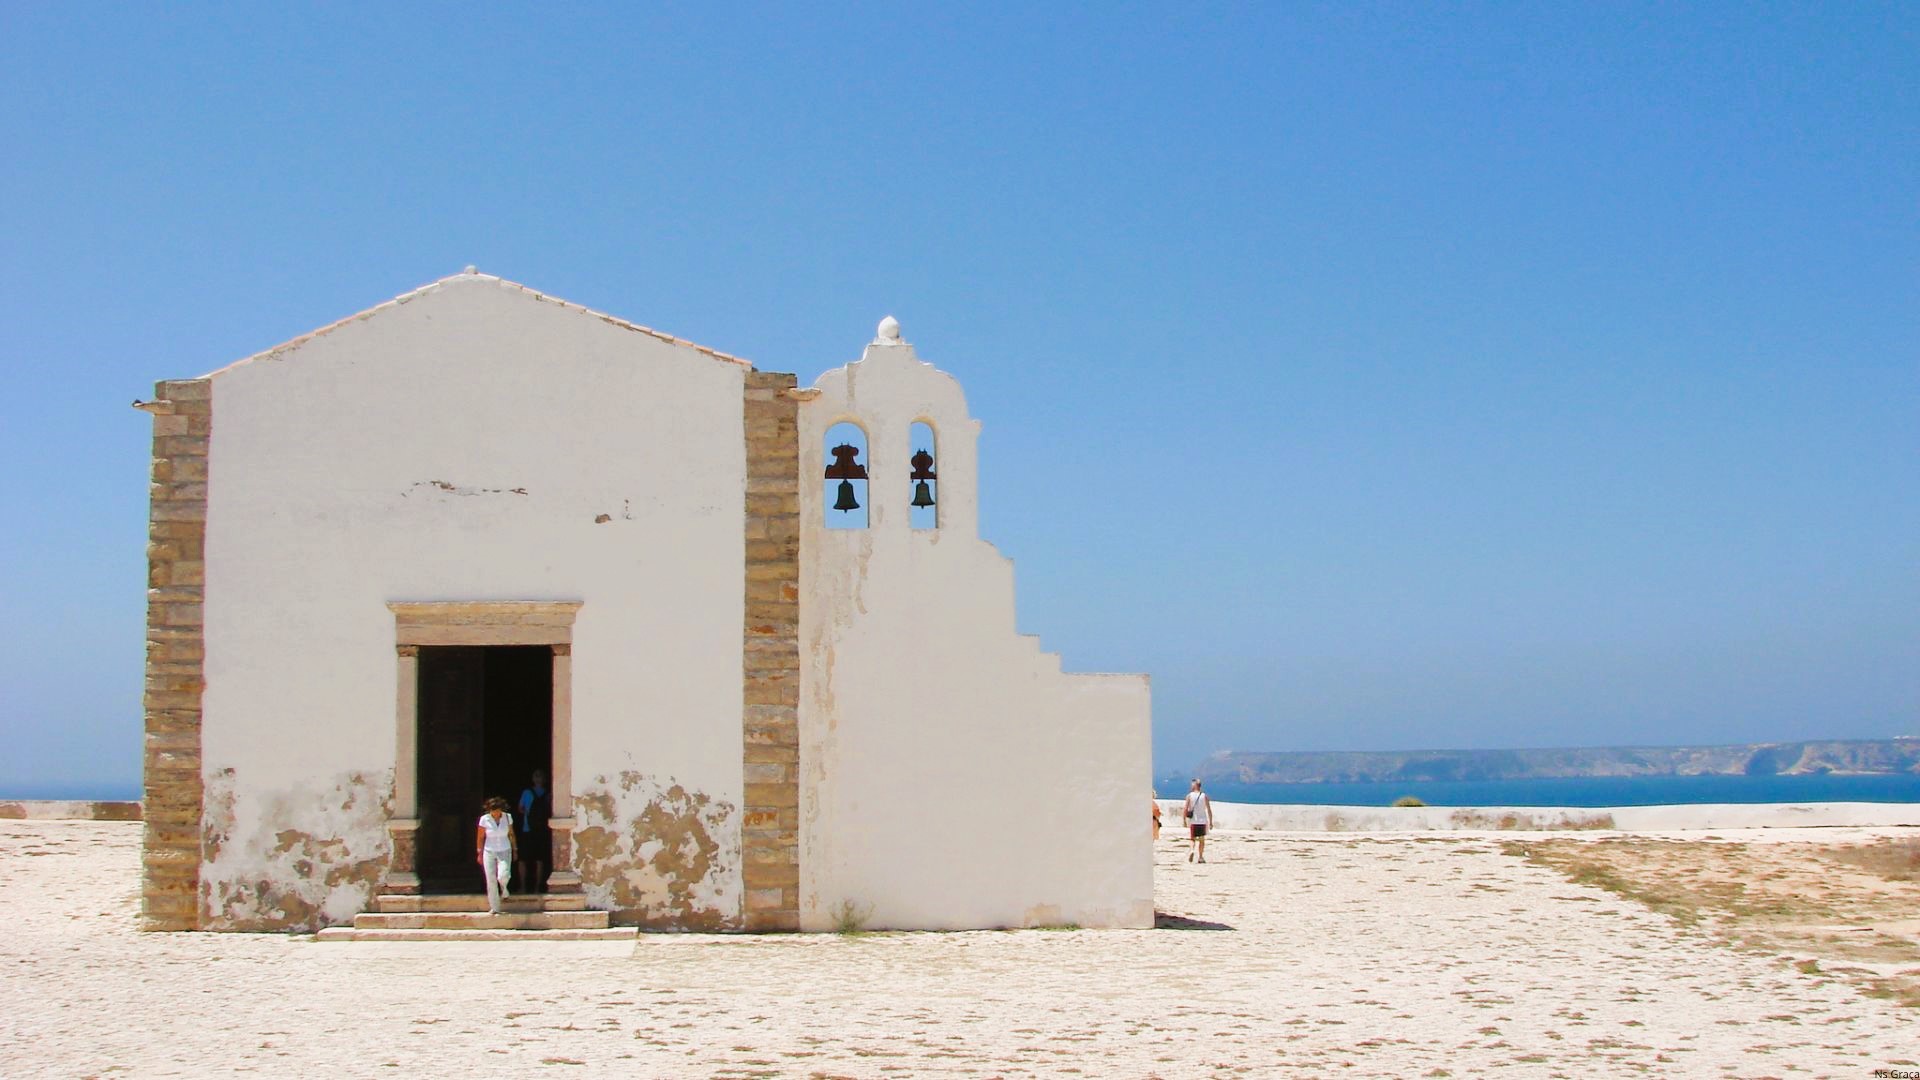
467,276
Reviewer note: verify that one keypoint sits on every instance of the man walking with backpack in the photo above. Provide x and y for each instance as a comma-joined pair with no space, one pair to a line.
1199,814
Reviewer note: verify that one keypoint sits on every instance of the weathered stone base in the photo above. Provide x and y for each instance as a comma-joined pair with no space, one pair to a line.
401,879
564,878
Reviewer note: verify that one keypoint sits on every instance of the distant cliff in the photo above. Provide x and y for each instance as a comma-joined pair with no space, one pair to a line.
1858,756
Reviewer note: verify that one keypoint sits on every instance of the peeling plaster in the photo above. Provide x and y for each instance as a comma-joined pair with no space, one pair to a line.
658,857
457,489
296,860
1043,915
216,815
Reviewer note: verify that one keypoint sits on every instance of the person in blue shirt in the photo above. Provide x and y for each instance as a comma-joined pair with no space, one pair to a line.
536,840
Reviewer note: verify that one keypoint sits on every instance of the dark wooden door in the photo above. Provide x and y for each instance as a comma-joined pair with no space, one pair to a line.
452,757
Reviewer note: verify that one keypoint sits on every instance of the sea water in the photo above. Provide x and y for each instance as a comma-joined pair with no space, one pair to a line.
1569,791
1574,791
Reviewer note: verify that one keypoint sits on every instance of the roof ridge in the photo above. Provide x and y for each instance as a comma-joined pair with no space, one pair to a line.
466,276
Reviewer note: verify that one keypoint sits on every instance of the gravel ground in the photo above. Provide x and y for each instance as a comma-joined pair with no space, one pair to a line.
1311,954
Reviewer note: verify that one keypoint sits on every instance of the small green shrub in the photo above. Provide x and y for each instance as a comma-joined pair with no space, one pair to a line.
850,918
1409,800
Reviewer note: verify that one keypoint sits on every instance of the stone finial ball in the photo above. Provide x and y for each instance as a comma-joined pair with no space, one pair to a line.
890,329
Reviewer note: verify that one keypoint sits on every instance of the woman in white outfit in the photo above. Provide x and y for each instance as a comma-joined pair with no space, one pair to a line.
493,847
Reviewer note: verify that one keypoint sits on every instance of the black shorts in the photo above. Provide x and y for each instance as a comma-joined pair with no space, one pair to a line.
536,845
1196,830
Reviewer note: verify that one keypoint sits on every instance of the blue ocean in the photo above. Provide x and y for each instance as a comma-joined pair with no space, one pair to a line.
1573,791
1576,791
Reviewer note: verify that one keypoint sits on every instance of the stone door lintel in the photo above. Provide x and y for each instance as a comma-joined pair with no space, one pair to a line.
479,622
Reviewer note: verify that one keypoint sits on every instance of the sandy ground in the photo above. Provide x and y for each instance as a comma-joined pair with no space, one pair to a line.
1849,909
1335,955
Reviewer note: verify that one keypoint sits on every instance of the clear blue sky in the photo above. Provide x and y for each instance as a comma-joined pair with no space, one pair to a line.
1375,377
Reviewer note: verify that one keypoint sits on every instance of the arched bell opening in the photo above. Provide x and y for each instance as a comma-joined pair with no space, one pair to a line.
844,492
924,480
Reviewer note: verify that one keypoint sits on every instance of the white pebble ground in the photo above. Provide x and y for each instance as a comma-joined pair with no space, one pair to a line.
1338,955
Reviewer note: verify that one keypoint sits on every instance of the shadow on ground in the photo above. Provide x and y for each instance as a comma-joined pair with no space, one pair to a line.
1164,921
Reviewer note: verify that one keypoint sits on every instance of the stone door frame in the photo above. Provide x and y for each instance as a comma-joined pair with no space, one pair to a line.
479,622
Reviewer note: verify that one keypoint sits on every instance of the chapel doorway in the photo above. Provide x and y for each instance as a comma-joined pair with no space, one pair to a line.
485,724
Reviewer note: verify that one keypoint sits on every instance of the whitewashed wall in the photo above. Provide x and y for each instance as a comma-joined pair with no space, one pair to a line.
459,445
924,715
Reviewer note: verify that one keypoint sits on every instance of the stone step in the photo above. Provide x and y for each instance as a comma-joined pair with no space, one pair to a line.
481,920
350,933
478,902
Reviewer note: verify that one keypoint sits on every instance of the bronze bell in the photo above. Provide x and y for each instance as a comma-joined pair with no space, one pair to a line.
922,471
846,468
